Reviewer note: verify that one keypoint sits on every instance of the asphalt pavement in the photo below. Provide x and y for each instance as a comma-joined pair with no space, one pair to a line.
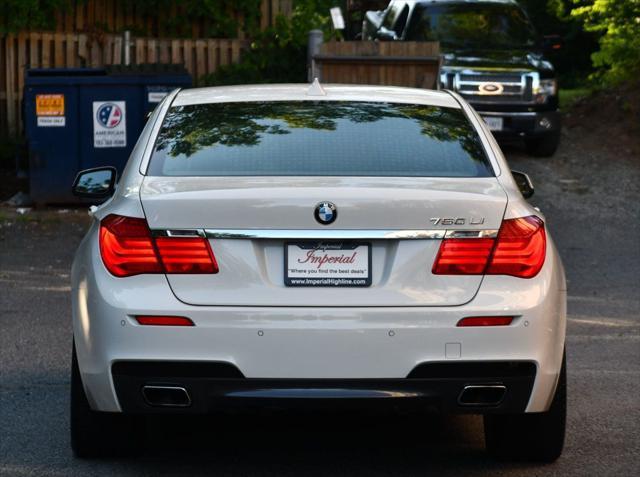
590,194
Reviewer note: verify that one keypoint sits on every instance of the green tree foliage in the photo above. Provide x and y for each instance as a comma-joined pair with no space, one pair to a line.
16,15
573,60
279,53
221,15
618,21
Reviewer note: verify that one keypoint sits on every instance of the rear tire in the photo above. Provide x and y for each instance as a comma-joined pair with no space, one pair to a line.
543,146
531,437
99,434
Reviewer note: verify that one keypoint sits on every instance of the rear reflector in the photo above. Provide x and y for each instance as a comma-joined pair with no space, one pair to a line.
486,321
519,250
164,320
127,248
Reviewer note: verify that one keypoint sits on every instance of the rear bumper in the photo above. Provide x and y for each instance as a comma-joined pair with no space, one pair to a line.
322,343
526,124
454,387
368,346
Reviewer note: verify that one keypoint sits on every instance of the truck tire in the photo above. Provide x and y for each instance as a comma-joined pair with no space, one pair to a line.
99,434
543,146
530,437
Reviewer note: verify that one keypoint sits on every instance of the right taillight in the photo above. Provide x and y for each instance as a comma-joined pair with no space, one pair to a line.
518,250
127,248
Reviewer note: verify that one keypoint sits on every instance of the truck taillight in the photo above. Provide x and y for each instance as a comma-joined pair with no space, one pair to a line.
127,248
518,250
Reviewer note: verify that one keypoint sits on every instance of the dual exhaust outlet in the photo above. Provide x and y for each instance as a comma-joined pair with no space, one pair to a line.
482,395
166,396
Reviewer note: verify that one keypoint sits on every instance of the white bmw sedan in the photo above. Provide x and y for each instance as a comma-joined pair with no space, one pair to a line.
297,245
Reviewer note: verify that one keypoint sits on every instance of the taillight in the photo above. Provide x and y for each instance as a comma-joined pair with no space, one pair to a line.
519,250
127,248
186,255
463,256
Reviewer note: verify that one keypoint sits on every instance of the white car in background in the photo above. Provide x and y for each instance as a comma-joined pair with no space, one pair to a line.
304,245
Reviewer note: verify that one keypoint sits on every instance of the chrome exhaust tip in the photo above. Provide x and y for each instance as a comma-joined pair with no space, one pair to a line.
166,396
482,395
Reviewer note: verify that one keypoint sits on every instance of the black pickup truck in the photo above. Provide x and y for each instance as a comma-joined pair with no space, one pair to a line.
492,56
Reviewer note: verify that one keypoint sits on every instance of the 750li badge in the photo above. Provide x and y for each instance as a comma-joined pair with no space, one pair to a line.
456,220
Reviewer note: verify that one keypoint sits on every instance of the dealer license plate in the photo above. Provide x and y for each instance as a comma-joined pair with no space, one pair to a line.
327,264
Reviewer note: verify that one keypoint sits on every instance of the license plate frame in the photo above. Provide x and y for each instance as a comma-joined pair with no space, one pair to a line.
495,123
328,279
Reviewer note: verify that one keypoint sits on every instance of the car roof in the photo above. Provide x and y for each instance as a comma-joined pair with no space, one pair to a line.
315,92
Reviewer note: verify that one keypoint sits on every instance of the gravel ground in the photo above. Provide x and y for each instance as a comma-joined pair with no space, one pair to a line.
589,192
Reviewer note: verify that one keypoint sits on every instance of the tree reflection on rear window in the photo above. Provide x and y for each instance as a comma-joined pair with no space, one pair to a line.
318,138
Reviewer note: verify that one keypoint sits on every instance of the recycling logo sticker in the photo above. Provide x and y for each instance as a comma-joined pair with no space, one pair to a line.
109,124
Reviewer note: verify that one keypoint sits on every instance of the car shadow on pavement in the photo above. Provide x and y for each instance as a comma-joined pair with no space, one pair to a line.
315,444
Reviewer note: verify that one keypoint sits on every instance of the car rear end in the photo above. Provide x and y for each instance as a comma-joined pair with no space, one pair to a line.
270,246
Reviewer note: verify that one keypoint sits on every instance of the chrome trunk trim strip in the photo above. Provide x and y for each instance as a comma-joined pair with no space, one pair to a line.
318,234
294,234
471,234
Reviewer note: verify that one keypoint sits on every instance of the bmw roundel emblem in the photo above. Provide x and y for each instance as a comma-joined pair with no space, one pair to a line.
326,213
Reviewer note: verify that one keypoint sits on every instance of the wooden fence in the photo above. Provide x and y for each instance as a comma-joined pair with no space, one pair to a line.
402,63
87,34
69,50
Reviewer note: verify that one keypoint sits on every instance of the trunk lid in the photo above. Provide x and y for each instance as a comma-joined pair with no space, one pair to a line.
252,270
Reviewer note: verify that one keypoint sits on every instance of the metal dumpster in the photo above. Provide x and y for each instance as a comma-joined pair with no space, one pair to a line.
86,117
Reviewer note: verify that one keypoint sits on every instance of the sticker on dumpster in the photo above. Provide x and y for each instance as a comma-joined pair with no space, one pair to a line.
49,104
156,96
109,124
51,121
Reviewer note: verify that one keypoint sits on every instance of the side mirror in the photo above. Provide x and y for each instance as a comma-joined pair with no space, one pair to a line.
371,23
551,43
374,17
97,183
384,34
524,183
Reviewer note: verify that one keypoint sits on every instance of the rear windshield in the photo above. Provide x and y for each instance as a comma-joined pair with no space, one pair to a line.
317,138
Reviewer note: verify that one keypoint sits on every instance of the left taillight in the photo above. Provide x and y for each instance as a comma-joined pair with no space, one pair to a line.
128,248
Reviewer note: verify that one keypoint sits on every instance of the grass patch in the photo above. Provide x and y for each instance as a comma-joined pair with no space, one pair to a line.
568,97
26,218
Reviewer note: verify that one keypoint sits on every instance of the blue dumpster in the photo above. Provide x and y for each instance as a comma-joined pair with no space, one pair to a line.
86,117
